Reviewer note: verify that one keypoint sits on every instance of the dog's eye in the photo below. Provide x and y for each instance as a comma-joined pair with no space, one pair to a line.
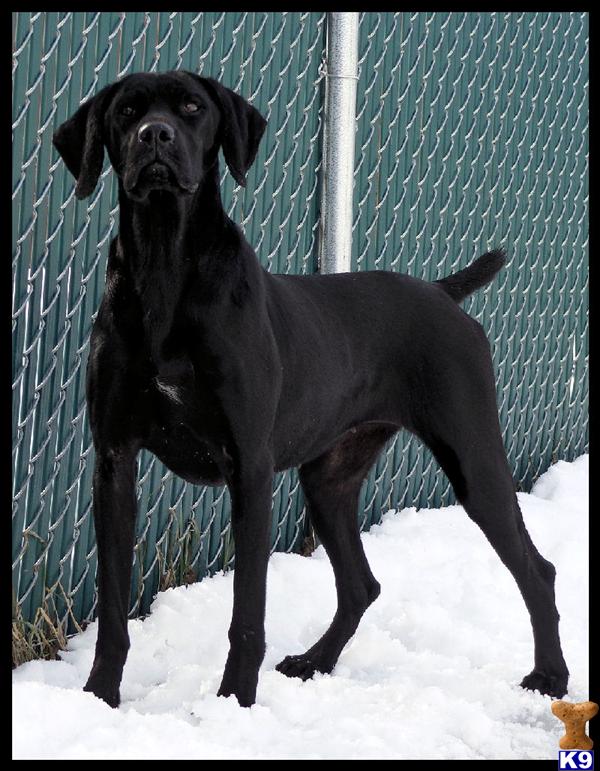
127,110
191,107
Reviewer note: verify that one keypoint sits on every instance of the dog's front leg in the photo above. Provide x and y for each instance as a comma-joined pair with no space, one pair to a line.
251,488
114,520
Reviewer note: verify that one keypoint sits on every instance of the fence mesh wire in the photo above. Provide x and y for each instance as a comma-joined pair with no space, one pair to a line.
471,132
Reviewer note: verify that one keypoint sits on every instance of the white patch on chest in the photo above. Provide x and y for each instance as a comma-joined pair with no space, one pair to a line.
169,391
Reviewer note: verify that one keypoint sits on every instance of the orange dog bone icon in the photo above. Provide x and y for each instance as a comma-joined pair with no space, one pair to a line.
575,716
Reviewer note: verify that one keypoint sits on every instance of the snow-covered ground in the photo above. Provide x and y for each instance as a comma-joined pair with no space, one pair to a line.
432,671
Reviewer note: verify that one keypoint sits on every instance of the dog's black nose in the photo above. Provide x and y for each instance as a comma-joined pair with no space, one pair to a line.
156,134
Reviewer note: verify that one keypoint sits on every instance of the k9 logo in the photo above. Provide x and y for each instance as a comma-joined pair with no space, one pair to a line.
576,759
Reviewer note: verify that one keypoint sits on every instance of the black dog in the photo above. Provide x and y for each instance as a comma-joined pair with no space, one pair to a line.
227,373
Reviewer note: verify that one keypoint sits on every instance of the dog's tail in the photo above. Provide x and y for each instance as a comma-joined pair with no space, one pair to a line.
479,273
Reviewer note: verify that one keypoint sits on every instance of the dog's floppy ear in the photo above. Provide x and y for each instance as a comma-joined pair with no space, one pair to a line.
241,130
80,141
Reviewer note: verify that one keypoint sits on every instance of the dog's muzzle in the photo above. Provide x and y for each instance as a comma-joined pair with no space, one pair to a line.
155,173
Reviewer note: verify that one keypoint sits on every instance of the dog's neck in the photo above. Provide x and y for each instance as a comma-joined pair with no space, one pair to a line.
165,229
171,240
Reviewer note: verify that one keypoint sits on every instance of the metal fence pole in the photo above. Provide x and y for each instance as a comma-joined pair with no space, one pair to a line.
338,142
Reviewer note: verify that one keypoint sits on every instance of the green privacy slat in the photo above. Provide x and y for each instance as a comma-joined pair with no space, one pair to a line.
471,132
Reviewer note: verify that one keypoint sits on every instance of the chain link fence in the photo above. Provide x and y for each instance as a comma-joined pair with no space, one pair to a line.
471,132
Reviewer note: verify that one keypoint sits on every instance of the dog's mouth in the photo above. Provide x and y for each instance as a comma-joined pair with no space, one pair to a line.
157,175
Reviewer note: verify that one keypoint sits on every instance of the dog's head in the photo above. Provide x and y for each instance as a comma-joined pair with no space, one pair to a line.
161,131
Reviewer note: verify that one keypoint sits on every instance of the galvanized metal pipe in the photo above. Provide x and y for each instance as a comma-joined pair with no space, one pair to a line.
341,75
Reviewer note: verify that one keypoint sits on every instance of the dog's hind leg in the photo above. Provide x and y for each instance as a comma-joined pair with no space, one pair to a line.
486,490
462,430
331,485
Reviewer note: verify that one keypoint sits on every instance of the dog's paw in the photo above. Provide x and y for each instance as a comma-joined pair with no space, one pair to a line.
246,695
240,677
104,683
547,684
303,666
109,694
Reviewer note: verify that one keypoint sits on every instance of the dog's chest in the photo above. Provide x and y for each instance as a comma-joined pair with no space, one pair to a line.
186,454
182,392
185,427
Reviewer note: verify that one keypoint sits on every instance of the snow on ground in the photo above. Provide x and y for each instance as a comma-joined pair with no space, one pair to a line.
432,671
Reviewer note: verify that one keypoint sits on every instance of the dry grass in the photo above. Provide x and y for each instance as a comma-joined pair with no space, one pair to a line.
46,635
175,566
